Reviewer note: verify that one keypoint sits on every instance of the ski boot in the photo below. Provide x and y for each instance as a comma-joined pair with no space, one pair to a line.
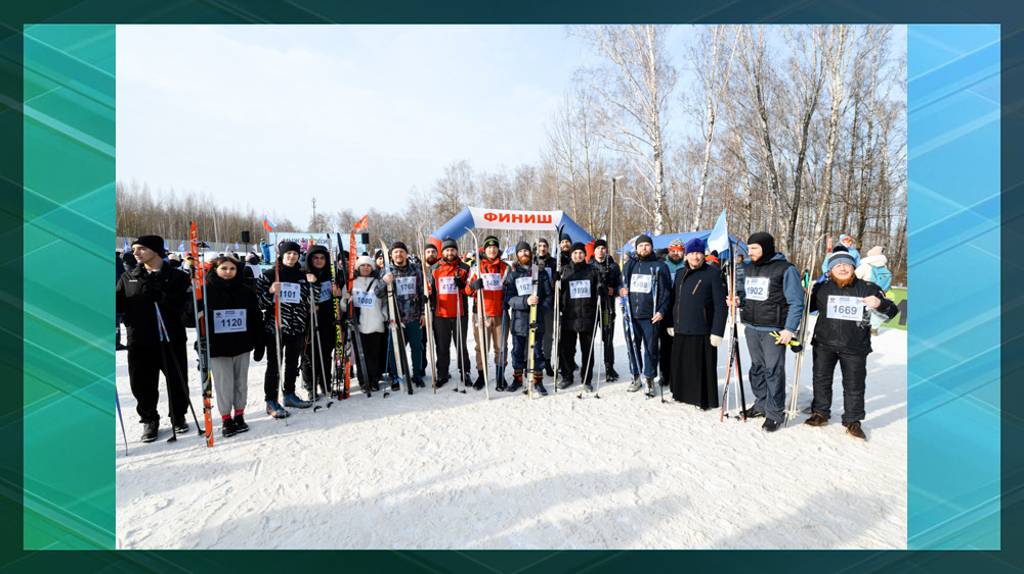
467,381
180,426
770,425
418,381
589,388
752,413
612,374
275,410
650,387
240,423
500,385
292,400
442,380
538,385
636,385
149,431
396,383
517,381
478,384
566,382
228,427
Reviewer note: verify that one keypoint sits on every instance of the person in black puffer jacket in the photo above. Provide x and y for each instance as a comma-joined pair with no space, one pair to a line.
842,335
519,299
318,272
292,289
698,323
579,290
236,329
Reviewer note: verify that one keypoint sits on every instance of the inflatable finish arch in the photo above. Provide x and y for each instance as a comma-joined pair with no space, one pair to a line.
483,218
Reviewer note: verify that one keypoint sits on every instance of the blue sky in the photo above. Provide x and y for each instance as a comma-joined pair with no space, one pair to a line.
270,116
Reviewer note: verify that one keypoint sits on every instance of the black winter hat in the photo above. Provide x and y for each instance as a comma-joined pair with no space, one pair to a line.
286,246
491,240
564,237
399,245
151,242
542,240
600,243
449,242
643,238
578,247
767,243
523,245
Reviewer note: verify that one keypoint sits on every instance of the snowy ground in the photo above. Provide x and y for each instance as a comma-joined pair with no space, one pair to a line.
455,471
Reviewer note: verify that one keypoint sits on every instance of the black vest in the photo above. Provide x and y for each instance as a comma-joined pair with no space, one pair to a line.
772,311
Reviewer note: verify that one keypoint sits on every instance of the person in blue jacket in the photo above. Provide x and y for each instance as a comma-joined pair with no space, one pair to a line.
519,299
648,291
772,300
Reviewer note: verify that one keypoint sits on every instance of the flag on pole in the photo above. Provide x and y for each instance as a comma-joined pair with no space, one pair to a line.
718,240
181,246
236,246
126,247
267,224
363,223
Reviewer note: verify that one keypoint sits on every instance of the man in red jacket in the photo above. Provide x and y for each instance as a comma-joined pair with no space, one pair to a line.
492,274
448,281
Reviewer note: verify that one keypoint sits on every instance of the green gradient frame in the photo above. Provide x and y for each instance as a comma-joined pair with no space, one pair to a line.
79,520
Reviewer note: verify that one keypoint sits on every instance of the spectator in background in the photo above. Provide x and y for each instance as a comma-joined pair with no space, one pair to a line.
873,268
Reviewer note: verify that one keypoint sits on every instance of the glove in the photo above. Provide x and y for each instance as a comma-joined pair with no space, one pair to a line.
715,340
671,332
477,284
258,352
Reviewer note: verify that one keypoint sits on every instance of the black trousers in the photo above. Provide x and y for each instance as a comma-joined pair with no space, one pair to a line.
608,338
325,354
445,335
854,368
567,350
292,350
375,350
145,364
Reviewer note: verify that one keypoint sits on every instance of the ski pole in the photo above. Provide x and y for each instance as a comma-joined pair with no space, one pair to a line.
117,401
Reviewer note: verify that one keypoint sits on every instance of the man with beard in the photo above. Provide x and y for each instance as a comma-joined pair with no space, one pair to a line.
409,291
842,335
519,298
609,277
489,286
772,300
579,291
674,262
648,291
447,284
151,282
545,258
698,322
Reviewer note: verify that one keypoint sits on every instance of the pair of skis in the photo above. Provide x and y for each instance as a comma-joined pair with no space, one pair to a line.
202,328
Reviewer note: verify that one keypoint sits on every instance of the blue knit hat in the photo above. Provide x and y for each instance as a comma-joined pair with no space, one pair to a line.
695,245
840,257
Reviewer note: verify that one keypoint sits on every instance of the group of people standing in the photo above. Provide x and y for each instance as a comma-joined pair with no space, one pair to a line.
676,311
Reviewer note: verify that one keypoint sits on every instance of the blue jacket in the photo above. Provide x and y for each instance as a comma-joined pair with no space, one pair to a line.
642,303
791,289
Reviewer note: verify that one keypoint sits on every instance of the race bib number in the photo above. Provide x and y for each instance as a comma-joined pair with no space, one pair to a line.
446,286
363,299
640,283
845,308
579,289
756,288
492,281
228,321
325,292
524,286
405,286
290,292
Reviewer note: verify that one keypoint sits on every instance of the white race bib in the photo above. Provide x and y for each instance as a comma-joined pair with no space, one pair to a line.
363,299
579,289
325,292
640,283
756,288
405,286
446,285
524,286
845,308
291,293
492,281
228,321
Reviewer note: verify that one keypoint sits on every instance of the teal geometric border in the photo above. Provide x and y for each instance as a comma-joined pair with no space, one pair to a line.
954,260
68,232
